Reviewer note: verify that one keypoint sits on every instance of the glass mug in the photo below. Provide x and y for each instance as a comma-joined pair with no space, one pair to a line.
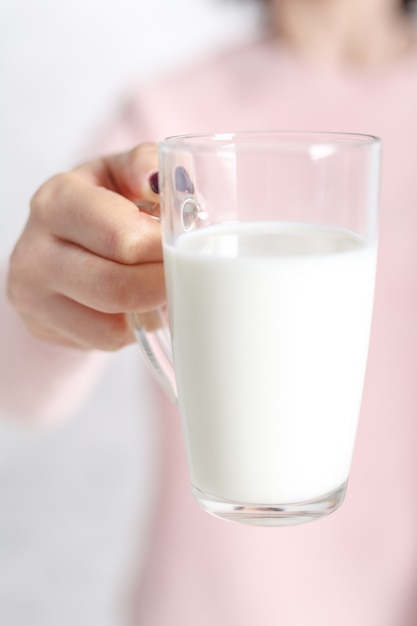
270,245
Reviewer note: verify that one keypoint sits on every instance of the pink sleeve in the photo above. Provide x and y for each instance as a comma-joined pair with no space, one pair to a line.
40,381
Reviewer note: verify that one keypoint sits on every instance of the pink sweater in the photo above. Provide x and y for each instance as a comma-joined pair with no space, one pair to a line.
358,566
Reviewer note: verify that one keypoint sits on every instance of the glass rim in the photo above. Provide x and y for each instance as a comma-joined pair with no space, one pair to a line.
273,140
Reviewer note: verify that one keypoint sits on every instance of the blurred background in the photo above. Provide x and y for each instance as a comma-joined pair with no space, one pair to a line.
74,496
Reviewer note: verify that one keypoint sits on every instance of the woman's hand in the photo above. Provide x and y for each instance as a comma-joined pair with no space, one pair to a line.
87,255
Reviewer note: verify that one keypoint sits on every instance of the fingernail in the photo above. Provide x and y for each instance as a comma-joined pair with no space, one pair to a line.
183,181
154,182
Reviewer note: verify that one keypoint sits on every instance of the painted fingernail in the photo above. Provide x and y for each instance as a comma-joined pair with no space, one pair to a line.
183,181
154,182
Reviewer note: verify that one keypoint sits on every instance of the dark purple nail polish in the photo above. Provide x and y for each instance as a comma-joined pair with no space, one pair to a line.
154,182
183,181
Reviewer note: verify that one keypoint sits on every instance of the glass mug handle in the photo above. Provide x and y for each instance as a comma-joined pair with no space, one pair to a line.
151,328
152,332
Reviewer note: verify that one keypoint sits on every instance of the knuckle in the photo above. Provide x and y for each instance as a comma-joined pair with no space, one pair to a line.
117,335
27,271
122,289
121,245
50,194
17,292
108,288
132,244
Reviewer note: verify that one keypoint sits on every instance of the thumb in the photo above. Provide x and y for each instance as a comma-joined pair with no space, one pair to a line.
132,174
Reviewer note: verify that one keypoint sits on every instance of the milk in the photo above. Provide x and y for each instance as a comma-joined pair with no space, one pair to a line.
270,325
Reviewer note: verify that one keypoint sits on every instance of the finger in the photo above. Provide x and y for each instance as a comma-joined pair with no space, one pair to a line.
131,174
65,322
102,284
93,281
97,219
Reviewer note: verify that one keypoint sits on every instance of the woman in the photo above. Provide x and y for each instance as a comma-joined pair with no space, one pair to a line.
86,257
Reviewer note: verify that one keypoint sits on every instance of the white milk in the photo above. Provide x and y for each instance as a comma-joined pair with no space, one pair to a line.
270,325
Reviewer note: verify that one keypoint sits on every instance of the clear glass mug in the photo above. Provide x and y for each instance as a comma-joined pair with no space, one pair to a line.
270,245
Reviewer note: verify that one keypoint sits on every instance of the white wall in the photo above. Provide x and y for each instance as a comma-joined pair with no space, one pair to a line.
69,496
61,64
